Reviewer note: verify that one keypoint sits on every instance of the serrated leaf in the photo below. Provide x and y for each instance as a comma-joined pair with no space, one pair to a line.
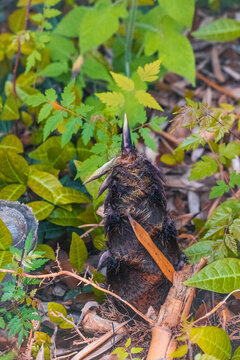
45,111
219,190
10,109
12,143
150,71
5,236
122,81
219,30
67,195
156,121
54,312
51,95
87,132
207,167
221,276
71,127
36,100
41,209
234,179
192,142
2,324
212,341
65,218
78,252
52,123
12,192
46,250
113,99
44,184
32,59
146,99
68,96
220,217
145,133
14,168
199,250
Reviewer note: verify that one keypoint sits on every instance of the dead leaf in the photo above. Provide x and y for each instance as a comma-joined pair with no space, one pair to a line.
144,238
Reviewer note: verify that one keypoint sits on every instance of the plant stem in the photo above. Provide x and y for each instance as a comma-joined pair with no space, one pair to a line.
129,38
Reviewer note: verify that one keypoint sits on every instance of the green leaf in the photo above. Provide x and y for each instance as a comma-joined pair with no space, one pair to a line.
52,123
229,150
171,45
220,217
2,324
16,20
78,252
150,71
68,96
69,25
99,24
136,350
122,81
28,242
61,48
112,99
54,312
11,142
51,13
12,192
145,133
199,250
36,100
231,243
41,209
87,132
14,168
234,179
207,167
128,343
148,100
45,111
212,341
44,184
219,30
235,229
5,258
192,142
65,218
236,355
10,109
5,236
221,276
67,195
54,69
181,12
180,352
62,154
219,190
46,250
51,95
32,59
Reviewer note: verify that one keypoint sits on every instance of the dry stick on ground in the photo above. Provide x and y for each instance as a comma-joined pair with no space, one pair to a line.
176,305
81,279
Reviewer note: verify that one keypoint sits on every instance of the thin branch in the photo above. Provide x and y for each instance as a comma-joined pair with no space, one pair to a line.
86,281
216,307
